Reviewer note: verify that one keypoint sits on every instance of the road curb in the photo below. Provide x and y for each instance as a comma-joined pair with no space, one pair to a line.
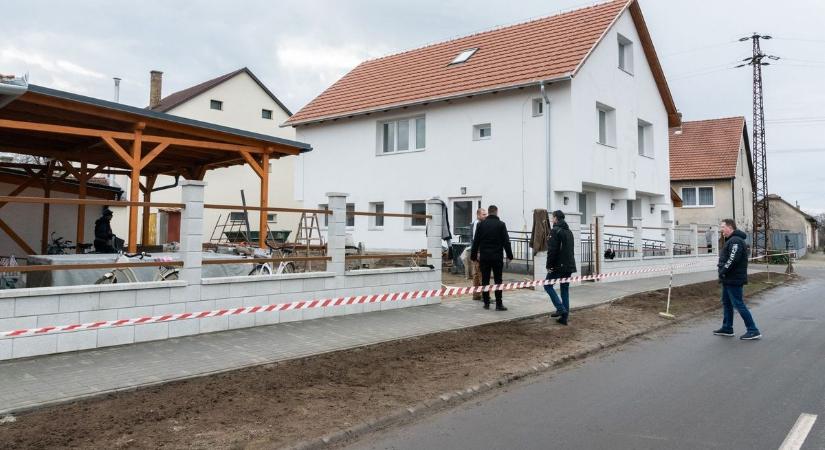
454,398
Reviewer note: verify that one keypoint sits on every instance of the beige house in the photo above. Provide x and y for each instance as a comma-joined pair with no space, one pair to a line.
712,171
238,100
786,217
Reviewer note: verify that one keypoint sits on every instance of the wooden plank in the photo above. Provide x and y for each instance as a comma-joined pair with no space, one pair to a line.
76,201
61,129
147,196
374,214
389,256
119,151
211,145
16,238
262,222
263,260
46,268
19,189
153,154
134,190
268,208
80,229
252,163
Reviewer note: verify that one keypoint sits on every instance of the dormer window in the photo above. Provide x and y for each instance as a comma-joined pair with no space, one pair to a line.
464,56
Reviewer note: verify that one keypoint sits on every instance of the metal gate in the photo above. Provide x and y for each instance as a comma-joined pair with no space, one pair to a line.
587,244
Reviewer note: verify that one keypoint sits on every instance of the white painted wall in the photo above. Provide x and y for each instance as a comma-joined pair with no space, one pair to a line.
243,101
509,169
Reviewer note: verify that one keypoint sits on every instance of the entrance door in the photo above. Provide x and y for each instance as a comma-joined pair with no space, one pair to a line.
464,213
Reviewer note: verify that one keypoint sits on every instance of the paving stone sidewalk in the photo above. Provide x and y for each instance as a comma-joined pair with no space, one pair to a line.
52,379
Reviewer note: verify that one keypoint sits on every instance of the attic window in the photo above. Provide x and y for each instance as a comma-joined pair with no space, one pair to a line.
464,56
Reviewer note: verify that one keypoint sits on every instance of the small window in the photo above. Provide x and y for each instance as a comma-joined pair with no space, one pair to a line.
216,104
645,138
237,216
625,54
538,107
378,208
273,218
606,125
417,207
401,135
697,197
350,215
464,56
482,131
324,218
266,114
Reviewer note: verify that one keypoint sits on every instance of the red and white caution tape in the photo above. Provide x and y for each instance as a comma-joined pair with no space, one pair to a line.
326,302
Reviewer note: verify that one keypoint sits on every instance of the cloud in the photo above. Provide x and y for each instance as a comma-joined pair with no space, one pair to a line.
53,67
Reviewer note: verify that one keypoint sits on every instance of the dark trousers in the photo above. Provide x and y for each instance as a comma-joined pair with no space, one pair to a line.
486,266
562,304
732,299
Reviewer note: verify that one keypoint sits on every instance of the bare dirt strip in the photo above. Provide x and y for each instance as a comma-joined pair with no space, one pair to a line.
281,404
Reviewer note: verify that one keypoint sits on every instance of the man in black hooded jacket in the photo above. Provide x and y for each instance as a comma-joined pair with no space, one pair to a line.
733,274
490,242
561,263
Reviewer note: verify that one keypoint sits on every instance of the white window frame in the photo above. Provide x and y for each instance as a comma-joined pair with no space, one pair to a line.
408,223
610,125
214,102
625,54
538,107
477,131
696,191
645,141
374,220
264,112
462,57
413,144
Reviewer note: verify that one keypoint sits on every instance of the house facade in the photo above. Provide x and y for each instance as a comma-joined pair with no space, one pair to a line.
712,171
573,118
787,218
238,100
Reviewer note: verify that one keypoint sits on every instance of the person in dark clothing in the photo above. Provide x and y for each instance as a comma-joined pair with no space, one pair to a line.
490,242
561,263
733,274
104,237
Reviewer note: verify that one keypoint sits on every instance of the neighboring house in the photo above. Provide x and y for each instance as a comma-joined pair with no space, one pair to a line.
712,171
544,114
785,218
238,100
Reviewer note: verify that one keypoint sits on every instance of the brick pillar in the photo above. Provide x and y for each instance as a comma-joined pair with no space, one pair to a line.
668,236
155,88
191,231
434,226
638,238
694,239
337,232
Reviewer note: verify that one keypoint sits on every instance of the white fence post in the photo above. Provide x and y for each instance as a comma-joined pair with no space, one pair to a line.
694,239
434,225
668,224
598,243
638,239
191,231
337,232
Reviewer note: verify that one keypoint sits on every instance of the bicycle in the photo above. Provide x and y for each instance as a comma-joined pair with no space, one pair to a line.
267,268
127,275
58,246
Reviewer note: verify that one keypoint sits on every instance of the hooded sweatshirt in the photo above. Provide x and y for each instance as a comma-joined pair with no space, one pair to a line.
733,260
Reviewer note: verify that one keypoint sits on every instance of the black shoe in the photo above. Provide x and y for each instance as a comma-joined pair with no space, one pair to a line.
501,308
751,336
555,314
562,320
723,332
487,305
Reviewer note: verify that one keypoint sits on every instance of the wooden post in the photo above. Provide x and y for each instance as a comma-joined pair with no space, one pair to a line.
147,197
134,190
81,209
262,235
47,192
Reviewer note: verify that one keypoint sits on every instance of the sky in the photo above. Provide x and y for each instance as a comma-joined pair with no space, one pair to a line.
298,49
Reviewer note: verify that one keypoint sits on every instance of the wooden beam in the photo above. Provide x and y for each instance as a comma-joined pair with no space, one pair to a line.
262,234
119,151
252,163
147,197
47,192
80,230
16,238
22,187
134,191
62,129
75,201
211,145
153,154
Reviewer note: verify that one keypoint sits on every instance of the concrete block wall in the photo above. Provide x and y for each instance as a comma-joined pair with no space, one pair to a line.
38,307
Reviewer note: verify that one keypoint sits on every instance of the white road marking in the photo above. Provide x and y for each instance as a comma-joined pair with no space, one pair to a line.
796,437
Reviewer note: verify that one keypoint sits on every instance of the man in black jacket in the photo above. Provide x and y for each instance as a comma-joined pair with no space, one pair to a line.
490,242
103,233
733,274
561,263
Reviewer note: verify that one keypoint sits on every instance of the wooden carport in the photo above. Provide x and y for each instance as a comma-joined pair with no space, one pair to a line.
89,136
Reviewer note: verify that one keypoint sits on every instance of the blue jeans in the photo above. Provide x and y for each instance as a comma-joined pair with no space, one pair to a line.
732,298
562,304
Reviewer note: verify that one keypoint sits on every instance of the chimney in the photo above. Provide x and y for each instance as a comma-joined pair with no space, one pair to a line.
155,82
117,89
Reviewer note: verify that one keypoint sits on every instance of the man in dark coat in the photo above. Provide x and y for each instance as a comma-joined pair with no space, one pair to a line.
103,233
490,242
561,263
733,274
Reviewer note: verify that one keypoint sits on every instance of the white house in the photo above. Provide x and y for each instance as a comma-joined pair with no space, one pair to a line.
239,100
565,112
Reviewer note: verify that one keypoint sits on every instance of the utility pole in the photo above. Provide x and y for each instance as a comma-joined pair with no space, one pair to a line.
761,208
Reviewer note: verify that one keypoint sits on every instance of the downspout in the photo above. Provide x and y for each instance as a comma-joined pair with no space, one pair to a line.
547,154
733,197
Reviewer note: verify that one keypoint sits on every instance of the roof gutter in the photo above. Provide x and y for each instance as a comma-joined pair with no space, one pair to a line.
11,89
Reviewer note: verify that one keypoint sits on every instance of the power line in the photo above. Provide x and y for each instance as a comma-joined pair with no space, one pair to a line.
797,150
697,49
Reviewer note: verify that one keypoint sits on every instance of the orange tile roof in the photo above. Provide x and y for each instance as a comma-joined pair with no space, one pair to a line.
706,149
545,49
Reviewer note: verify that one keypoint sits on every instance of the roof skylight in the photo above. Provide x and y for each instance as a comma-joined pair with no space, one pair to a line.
464,56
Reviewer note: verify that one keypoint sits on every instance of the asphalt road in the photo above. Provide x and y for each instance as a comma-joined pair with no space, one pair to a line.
683,389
